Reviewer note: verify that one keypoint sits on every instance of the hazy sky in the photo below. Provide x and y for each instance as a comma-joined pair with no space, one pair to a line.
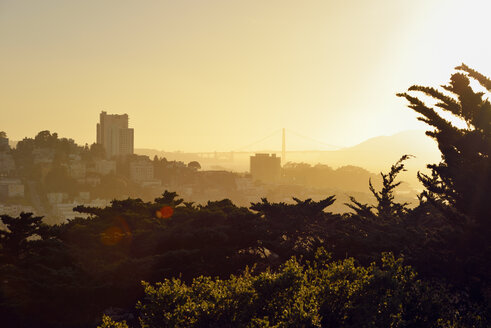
218,75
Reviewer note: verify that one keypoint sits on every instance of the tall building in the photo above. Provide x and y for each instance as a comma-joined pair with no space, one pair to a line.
265,167
113,133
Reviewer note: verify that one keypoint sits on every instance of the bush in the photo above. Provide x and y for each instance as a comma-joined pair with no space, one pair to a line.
321,293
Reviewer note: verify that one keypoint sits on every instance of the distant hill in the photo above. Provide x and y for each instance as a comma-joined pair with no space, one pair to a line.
379,153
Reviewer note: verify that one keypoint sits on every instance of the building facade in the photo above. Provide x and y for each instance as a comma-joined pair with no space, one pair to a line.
4,144
141,170
114,135
265,167
11,188
7,164
104,167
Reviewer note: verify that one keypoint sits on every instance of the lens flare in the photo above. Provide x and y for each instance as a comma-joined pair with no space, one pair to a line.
112,236
165,212
117,233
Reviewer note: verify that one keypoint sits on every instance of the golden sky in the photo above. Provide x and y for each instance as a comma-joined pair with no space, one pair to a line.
218,75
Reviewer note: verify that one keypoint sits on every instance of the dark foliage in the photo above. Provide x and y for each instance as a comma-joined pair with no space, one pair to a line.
460,185
462,180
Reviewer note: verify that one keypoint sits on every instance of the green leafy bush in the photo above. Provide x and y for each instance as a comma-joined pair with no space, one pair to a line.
321,293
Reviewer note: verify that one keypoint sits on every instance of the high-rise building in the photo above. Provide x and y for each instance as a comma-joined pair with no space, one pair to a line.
113,133
265,167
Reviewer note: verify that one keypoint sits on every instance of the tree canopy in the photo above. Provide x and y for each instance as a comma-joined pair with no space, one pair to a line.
462,179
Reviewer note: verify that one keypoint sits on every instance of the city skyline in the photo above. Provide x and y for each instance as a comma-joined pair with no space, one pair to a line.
197,77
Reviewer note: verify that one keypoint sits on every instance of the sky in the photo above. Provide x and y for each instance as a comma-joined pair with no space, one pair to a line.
218,75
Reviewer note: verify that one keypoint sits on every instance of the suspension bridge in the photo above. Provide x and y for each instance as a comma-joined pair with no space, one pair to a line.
265,144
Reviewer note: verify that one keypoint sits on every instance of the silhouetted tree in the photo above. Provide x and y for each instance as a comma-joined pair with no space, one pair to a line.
97,150
387,208
15,239
169,198
463,178
194,165
460,185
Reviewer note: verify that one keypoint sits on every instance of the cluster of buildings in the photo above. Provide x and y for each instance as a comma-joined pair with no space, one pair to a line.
61,207
117,140
9,187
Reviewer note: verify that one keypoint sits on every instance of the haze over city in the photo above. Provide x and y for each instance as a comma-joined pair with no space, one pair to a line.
245,163
218,75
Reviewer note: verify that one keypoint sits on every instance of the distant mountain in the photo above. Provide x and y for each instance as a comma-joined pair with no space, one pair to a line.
379,153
